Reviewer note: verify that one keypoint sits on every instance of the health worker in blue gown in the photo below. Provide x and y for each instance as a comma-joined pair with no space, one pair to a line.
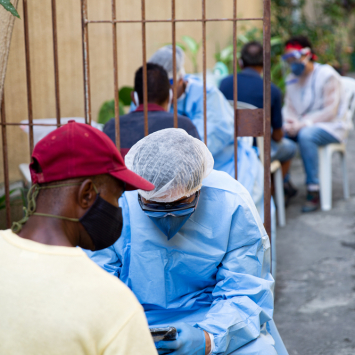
194,251
220,123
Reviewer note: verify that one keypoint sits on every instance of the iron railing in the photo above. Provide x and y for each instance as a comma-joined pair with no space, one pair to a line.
247,122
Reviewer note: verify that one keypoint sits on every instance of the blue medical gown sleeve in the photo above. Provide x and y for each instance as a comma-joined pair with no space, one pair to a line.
243,295
220,117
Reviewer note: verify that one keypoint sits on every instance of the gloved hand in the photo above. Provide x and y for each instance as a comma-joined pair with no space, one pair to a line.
190,341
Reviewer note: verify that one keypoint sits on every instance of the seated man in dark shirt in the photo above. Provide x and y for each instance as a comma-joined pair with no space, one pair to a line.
159,100
250,90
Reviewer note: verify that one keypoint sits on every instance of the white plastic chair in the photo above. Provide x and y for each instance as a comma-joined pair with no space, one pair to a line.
325,173
326,153
349,91
276,171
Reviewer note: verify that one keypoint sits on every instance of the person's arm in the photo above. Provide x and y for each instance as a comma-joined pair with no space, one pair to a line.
220,119
133,339
277,134
276,115
289,113
243,295
331,101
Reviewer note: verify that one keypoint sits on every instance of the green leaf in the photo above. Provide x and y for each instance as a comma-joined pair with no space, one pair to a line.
9,7
226,53
243,38
182,46
191,44
3,199
125,95
276,41
107,111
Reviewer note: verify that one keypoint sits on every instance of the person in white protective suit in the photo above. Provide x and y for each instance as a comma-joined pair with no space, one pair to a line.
220,124
314,111
194,252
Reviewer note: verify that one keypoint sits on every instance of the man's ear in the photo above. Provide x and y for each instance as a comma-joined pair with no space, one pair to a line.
241,63
86,194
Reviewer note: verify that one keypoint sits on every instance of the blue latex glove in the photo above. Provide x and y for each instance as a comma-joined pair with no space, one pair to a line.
190,341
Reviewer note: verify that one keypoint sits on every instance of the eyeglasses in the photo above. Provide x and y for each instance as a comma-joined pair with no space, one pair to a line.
169,207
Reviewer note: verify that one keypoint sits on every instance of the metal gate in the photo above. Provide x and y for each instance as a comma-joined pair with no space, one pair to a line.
253,123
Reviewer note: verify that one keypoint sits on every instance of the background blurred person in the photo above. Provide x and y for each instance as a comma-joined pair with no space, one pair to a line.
250,90
314,112
54,300
159,115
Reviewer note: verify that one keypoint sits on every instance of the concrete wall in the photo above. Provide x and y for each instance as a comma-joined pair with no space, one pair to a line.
100,36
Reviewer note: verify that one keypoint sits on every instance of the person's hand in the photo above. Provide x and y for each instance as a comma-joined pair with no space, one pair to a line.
190,341
292,128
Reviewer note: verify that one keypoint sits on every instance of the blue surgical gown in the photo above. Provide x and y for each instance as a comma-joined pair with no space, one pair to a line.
213,274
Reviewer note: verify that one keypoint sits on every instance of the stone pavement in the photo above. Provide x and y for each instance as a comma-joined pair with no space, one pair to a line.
315,285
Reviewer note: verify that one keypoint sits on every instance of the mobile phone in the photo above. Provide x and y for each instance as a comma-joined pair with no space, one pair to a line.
166,334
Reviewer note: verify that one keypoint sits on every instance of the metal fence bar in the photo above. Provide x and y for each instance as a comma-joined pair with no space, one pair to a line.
56,63
28,75
5,163
267,114
145,88
28,124
179,20
86,63
173,33
115,75
235,89
204,70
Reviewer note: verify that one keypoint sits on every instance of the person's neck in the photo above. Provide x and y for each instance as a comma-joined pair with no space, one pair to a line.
309,69
50,231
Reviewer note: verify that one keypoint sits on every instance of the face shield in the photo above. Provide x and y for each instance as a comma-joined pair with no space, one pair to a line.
294,60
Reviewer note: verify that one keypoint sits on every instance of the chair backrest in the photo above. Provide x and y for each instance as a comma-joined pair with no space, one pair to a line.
250,120
349,89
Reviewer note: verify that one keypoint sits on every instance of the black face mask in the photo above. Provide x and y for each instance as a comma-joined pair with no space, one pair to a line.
103,222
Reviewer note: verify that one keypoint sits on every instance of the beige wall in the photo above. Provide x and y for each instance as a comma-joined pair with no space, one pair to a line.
70,55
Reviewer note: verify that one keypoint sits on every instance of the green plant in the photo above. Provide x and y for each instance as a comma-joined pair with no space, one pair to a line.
9,7
107,109
330,32
191,47
3,198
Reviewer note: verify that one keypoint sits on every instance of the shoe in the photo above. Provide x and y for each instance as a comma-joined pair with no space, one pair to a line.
312,203
290,191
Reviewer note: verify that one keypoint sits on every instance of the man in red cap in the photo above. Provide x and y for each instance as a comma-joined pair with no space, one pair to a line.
54,300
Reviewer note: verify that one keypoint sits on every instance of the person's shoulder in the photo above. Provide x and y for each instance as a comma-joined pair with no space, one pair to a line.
222,181
111,122
185,121
326,70
227,80
99,283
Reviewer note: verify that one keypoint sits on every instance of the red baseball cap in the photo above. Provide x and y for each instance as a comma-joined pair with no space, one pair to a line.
78,150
